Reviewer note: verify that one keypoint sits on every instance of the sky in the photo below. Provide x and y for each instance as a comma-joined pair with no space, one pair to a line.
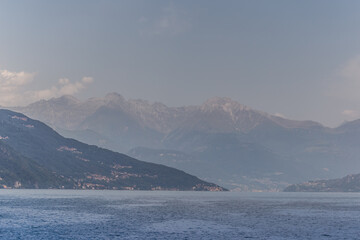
297,59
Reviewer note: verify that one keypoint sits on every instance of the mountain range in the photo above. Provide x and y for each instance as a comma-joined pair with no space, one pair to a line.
221,141
33,155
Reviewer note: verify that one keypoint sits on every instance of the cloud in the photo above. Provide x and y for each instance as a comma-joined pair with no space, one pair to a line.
279,115
346,84
64,87
12,80
14,85
172,21
87,80
352,69
351,114
10,85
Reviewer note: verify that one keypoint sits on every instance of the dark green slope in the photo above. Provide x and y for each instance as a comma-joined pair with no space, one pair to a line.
19,171
85,166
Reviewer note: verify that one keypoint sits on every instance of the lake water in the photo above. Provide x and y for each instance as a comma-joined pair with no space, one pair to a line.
73,214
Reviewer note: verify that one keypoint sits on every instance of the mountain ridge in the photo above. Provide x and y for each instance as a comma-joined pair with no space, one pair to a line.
214,134
157,110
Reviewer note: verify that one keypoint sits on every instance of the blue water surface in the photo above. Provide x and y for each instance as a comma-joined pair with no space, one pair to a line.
78,214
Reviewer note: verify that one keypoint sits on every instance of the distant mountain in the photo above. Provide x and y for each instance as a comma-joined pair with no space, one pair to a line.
350,183
221,140
243,166
124,124
34,155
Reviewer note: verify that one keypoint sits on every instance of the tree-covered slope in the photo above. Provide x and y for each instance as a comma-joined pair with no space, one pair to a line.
350,183
79,165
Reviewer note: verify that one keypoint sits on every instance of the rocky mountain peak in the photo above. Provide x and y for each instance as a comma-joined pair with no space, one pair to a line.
114,97
223,103
69,99
65,100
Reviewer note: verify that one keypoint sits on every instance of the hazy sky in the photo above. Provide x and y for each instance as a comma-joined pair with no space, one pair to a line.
300,59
